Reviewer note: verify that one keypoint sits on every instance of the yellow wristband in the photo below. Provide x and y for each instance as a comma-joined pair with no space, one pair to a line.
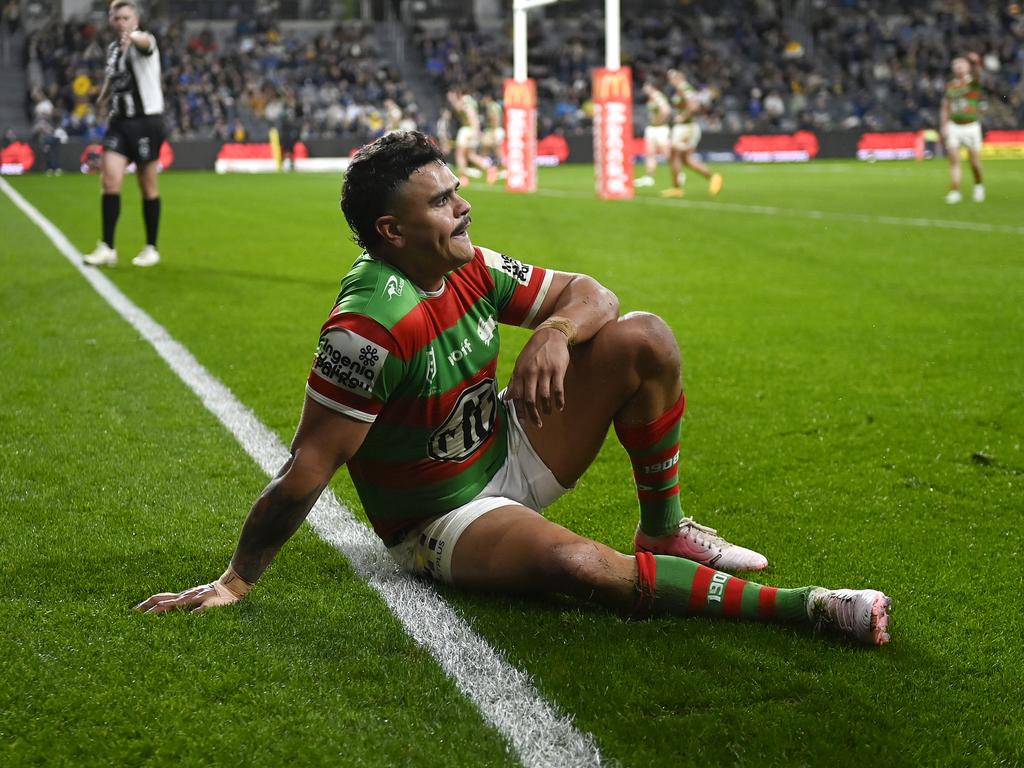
563,324
234,583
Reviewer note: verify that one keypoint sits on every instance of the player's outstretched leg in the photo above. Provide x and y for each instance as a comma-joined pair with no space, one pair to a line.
672,585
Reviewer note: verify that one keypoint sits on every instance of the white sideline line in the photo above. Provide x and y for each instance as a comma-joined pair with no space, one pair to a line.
799,213
505,695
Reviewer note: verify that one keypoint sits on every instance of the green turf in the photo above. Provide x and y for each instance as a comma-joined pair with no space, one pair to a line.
855,411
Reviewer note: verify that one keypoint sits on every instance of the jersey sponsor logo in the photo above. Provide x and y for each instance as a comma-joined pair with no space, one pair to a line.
349,361
460,352
394,287
485,329
516,269
468,425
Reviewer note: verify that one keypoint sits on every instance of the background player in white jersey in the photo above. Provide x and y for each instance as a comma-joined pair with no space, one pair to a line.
135,131
403,390
657,134
468,160
685,137
492,140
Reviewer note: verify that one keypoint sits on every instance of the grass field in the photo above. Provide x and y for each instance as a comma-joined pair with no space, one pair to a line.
854,357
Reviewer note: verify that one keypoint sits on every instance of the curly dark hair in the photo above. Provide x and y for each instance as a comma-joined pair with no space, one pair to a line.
375,173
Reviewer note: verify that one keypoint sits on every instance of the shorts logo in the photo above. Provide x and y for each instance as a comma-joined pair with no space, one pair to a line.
485,329
349,361
469,424
516,269
143,148
394,287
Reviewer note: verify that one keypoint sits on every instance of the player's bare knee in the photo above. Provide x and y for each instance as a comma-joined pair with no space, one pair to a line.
652,344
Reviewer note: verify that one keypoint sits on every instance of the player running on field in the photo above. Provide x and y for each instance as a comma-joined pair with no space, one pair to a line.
960,121
685,137
492,141
135,131
468,161
657,132
452,472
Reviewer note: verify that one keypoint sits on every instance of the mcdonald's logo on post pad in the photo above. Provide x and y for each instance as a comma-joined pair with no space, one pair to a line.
613,85
520,94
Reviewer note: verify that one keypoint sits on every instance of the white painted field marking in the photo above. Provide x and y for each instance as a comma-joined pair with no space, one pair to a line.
507,699
799,213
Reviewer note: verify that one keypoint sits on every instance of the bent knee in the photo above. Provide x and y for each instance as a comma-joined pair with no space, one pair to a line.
651,343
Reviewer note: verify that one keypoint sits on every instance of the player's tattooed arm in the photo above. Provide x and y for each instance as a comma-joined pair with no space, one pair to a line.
273,519
325,440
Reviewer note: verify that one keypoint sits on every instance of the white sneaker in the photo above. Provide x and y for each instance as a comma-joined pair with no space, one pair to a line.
103,256
979,193
703,545
862,614
147,257
953,196
644,181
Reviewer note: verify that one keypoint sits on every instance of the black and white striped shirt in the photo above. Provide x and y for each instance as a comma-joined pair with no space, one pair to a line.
133,77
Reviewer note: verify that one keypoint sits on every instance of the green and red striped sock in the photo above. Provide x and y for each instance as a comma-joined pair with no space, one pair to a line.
654,453
675,585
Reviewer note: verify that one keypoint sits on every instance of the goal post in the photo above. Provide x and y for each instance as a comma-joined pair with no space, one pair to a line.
520,97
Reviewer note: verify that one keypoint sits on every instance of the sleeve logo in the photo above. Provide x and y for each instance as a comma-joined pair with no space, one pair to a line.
349,361
516,269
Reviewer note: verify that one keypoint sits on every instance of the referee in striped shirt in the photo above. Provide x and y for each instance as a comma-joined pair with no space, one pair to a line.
135,131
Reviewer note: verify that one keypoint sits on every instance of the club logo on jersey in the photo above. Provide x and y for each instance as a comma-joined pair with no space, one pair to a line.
485,329
349,361
394,287
431,366
460,352
516,269
469,424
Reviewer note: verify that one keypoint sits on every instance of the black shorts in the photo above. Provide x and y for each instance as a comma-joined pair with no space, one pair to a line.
137,138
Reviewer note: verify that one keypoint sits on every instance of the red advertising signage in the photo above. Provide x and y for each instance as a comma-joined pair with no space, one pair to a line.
777,148
521,135
613,133
900,145
16,158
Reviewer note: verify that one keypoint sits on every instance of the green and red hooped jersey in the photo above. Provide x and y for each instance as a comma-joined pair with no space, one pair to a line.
964,98
421,368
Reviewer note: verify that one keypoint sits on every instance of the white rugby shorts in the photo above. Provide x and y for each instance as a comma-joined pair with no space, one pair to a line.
963,135
657,139
523,480
467,137
685,137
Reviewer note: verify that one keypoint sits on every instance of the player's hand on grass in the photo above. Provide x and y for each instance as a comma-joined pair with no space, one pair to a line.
537,384
228,589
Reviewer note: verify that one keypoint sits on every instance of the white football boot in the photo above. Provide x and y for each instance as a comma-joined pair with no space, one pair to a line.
979,193
147,257
862,614
953,196
103,256
702,545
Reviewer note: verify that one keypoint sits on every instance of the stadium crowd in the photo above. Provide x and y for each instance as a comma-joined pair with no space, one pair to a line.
225,86
847,64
